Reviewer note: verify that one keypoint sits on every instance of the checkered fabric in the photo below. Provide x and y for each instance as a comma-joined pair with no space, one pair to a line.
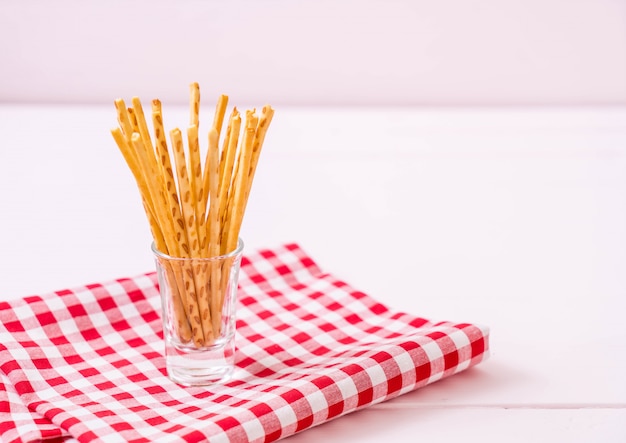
88,363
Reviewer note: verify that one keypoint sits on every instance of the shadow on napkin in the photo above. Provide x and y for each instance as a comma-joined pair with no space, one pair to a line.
88,363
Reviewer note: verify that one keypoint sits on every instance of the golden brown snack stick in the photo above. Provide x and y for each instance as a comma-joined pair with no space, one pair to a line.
227,174
182,321
220,111
187,206
241,181
229,150
213,249
194,104
201,272
218,120
131,160
155,229
174,280
217,297
212,167
264,122
195,183
194,165
157,177
133,164
133,119
224,276
124,119
155,189
185,194
142,127
165,166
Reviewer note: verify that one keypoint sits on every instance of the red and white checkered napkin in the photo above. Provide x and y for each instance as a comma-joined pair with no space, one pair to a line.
88,363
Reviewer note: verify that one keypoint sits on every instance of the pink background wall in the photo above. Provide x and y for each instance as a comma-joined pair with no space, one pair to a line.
413,52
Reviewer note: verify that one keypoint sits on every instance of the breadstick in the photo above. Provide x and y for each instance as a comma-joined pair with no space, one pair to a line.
155,229
220,111
264,122
213,225
195,183
241,181
165,167
123,119
227,180
133,164
200,293
176,286
156,175
154,190
174,283
229,151
131,161
140,118
198,206
194,104
186,196
133,119
176,279
218,121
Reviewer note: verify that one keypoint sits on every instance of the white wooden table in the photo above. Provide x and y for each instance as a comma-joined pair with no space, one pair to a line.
512,218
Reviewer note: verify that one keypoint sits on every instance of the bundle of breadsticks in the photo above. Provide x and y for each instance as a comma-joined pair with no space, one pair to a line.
194,210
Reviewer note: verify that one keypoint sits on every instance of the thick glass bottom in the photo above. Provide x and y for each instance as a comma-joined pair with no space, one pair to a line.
191,366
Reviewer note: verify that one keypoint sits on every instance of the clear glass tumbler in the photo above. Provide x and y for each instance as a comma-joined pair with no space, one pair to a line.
199,298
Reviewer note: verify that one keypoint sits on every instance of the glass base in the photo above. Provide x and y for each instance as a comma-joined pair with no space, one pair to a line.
191,366
199,376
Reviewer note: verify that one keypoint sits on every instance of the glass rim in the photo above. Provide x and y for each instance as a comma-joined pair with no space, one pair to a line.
230,254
